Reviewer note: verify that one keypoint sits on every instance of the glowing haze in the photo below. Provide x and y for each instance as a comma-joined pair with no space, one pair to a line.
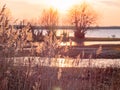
109,10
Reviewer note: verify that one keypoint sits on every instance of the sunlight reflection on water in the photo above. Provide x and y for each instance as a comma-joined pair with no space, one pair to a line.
68,44
62,62
87,43
101,42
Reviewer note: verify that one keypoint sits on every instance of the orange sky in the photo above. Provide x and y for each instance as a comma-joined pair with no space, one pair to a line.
109,10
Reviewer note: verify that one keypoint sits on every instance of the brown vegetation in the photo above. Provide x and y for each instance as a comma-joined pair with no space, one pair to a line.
82,16
26,75
37,77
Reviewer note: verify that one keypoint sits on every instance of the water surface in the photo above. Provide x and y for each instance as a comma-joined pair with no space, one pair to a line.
67,62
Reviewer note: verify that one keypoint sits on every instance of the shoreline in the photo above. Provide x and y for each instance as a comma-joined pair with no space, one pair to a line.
109,51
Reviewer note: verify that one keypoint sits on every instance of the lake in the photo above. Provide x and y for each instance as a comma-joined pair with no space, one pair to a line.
67,62
100,33
104,33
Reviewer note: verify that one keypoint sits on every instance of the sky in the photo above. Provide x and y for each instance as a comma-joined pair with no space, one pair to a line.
108,10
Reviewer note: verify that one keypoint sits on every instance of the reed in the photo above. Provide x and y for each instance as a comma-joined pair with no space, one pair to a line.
43,71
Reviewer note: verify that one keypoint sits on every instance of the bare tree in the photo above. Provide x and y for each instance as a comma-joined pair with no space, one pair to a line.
82,16
49,20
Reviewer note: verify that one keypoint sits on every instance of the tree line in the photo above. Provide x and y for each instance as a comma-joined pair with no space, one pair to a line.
80,16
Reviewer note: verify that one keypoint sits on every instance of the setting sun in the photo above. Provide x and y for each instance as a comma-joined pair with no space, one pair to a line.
62,5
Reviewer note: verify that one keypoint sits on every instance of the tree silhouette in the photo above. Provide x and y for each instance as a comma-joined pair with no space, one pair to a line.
49,20
82,16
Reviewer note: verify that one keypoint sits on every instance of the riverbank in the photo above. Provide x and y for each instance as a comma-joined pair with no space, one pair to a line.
90,39
90,46
108,51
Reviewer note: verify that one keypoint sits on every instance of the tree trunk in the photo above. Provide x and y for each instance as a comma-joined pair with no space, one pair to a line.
79,35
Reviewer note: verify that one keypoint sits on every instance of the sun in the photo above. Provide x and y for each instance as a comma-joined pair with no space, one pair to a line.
62,5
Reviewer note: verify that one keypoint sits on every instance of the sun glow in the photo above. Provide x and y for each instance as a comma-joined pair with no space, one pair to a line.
60,5
63,5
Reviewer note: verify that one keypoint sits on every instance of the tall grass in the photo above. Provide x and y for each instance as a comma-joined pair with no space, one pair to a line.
39,77
26,73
